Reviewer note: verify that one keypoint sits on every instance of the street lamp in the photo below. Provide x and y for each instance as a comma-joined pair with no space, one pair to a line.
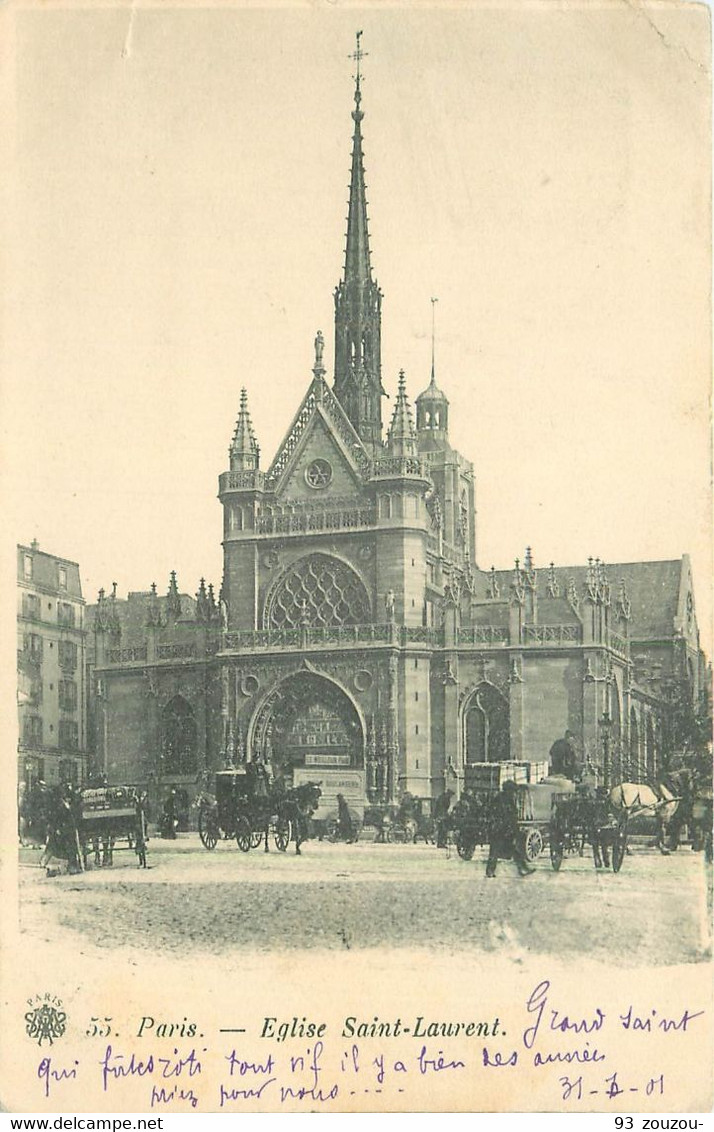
606,726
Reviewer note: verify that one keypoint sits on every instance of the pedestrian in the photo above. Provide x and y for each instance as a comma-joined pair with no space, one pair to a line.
344,820
168,817
505,841
563,757
141,837
441,814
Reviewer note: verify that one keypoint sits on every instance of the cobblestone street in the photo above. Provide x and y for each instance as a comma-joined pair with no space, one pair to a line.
371,895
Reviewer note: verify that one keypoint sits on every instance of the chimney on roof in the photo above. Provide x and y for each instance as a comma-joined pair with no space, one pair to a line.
34,545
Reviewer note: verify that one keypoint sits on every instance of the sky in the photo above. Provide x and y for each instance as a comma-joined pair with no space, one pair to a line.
175,219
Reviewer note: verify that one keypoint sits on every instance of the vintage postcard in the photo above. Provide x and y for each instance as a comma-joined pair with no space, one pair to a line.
357,466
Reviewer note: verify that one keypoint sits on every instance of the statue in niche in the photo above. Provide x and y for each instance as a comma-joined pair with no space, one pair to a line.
390,604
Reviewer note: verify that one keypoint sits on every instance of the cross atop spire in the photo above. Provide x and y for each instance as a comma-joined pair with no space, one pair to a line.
358,55
357,259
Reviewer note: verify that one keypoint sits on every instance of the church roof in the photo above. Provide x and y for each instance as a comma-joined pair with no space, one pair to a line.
653,590
132,612
432,391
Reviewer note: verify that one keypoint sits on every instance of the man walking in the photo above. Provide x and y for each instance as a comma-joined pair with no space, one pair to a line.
505,840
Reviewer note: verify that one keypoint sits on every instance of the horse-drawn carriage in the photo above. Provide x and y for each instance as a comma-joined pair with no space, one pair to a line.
111,818
565,818
472,818
246,807
409,822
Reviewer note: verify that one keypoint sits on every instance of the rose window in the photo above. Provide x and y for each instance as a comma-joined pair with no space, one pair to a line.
319,591
318,473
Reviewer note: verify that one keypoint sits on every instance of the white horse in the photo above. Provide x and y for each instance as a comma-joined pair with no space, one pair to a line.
638,798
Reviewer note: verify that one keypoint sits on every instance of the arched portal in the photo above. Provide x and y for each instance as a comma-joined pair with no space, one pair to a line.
486,726
307,721
178,738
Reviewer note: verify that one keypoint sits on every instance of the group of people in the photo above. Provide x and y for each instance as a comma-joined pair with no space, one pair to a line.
54,817
51,815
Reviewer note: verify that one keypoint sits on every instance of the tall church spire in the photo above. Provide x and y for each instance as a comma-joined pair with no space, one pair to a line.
358,382
357,260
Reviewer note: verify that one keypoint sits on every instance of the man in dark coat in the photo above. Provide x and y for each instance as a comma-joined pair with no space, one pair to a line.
344,820
168,817
563,758
505,839
441,813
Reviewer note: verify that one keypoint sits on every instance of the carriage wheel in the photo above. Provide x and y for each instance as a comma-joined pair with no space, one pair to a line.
244,834
331,830
396,835
557,851
256,837
619,847
532,844
283,833
208,829
465,848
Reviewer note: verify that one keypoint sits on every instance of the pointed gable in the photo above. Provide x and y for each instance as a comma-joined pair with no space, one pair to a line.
320,430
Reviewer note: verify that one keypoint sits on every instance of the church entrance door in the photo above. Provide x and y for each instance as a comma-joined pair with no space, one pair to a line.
309,723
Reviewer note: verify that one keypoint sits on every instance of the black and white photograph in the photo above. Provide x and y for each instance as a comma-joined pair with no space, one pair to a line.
357,463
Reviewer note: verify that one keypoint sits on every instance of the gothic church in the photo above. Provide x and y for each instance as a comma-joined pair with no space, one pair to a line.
355,641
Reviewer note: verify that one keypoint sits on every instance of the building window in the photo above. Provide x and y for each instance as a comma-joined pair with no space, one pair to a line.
416,697
27,566
63,578
32,730
318,474
416,729
68,655
68,734
67,695
33,647
487,727
31,606
65,614
318,591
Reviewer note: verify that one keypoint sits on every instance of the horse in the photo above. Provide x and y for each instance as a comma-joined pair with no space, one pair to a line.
299,805
655,800
296,806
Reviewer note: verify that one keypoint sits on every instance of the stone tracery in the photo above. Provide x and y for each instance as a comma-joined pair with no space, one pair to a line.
318,590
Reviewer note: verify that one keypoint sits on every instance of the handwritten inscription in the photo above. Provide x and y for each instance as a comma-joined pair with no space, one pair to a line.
570,1048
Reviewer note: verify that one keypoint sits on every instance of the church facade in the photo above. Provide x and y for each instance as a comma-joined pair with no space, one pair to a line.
355,641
